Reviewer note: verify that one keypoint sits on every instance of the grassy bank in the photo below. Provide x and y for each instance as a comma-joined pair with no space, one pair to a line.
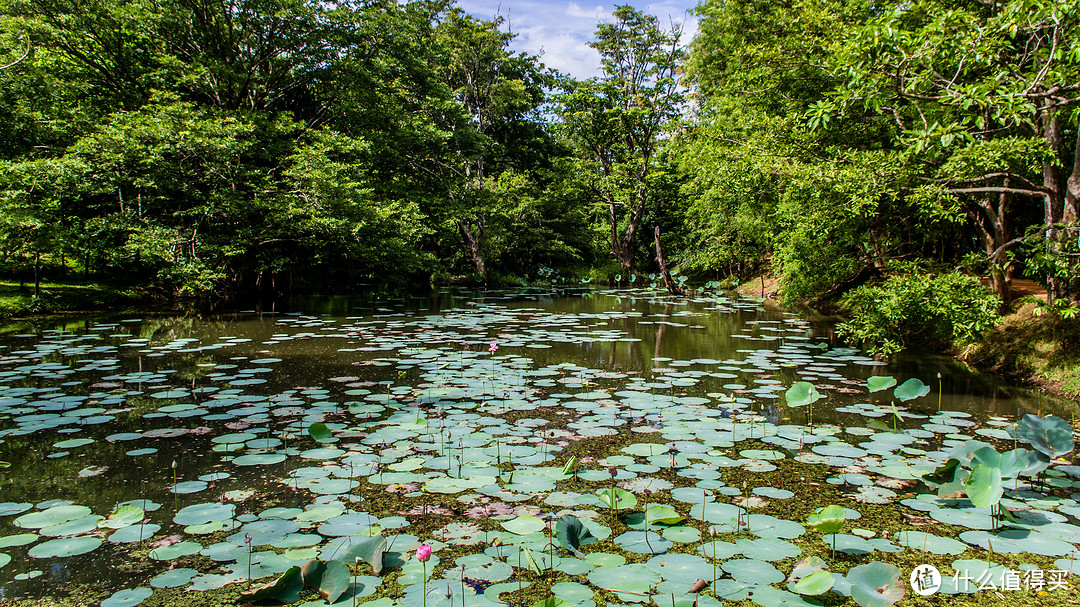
66,296
1039,350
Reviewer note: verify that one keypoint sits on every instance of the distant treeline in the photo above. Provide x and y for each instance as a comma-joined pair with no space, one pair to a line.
211,148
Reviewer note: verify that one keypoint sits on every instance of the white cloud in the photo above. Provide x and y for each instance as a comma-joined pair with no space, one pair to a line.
561,31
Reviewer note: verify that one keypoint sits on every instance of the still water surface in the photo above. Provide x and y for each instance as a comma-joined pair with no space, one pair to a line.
105,410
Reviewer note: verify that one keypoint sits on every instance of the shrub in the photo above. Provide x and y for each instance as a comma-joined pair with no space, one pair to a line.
941,310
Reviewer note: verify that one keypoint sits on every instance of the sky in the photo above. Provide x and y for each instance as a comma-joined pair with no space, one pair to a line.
559,31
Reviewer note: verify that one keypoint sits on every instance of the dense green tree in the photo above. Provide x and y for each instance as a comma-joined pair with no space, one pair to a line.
490,121
617,123
984,97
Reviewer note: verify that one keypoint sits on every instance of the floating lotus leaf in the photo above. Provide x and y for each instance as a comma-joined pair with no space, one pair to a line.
802,393
681,535
260,459
752,571
733,590
1016,541
718,513
1050,435
574,593
910,390
129,597
643,542
682,569
852,544
20,539
774,493
123,516
78,526
134,533
877,383
767,596
457,485
972,518
630,583
175,551
174,578
524,525
1068,565
51,516
719,550
970,574
767,549
875,584
818,582
933,544
9,508
65,547
197,514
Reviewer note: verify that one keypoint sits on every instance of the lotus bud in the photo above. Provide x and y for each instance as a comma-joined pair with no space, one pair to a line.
423,553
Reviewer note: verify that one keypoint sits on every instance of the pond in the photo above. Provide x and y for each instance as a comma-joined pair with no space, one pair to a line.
579,447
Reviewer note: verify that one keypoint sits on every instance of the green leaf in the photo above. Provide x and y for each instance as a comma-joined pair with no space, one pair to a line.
335,581
571,534
877,383
370,550
312,572
665,515
286,589
623,498
948,479
531,560
1021,462
802,393
320,432
984,486
570,466
124,516
818,582
829,519
1049,435
524,525
910,390
875,584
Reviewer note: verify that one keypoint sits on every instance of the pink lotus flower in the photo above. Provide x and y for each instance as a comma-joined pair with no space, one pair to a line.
423,553
492,347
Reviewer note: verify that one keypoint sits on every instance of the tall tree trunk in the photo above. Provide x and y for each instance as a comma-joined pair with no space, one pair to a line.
472,247
669,284
1054,200
37,274
622,253
995,232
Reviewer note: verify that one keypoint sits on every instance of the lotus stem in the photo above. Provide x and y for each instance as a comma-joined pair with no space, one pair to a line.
939,392
176,498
